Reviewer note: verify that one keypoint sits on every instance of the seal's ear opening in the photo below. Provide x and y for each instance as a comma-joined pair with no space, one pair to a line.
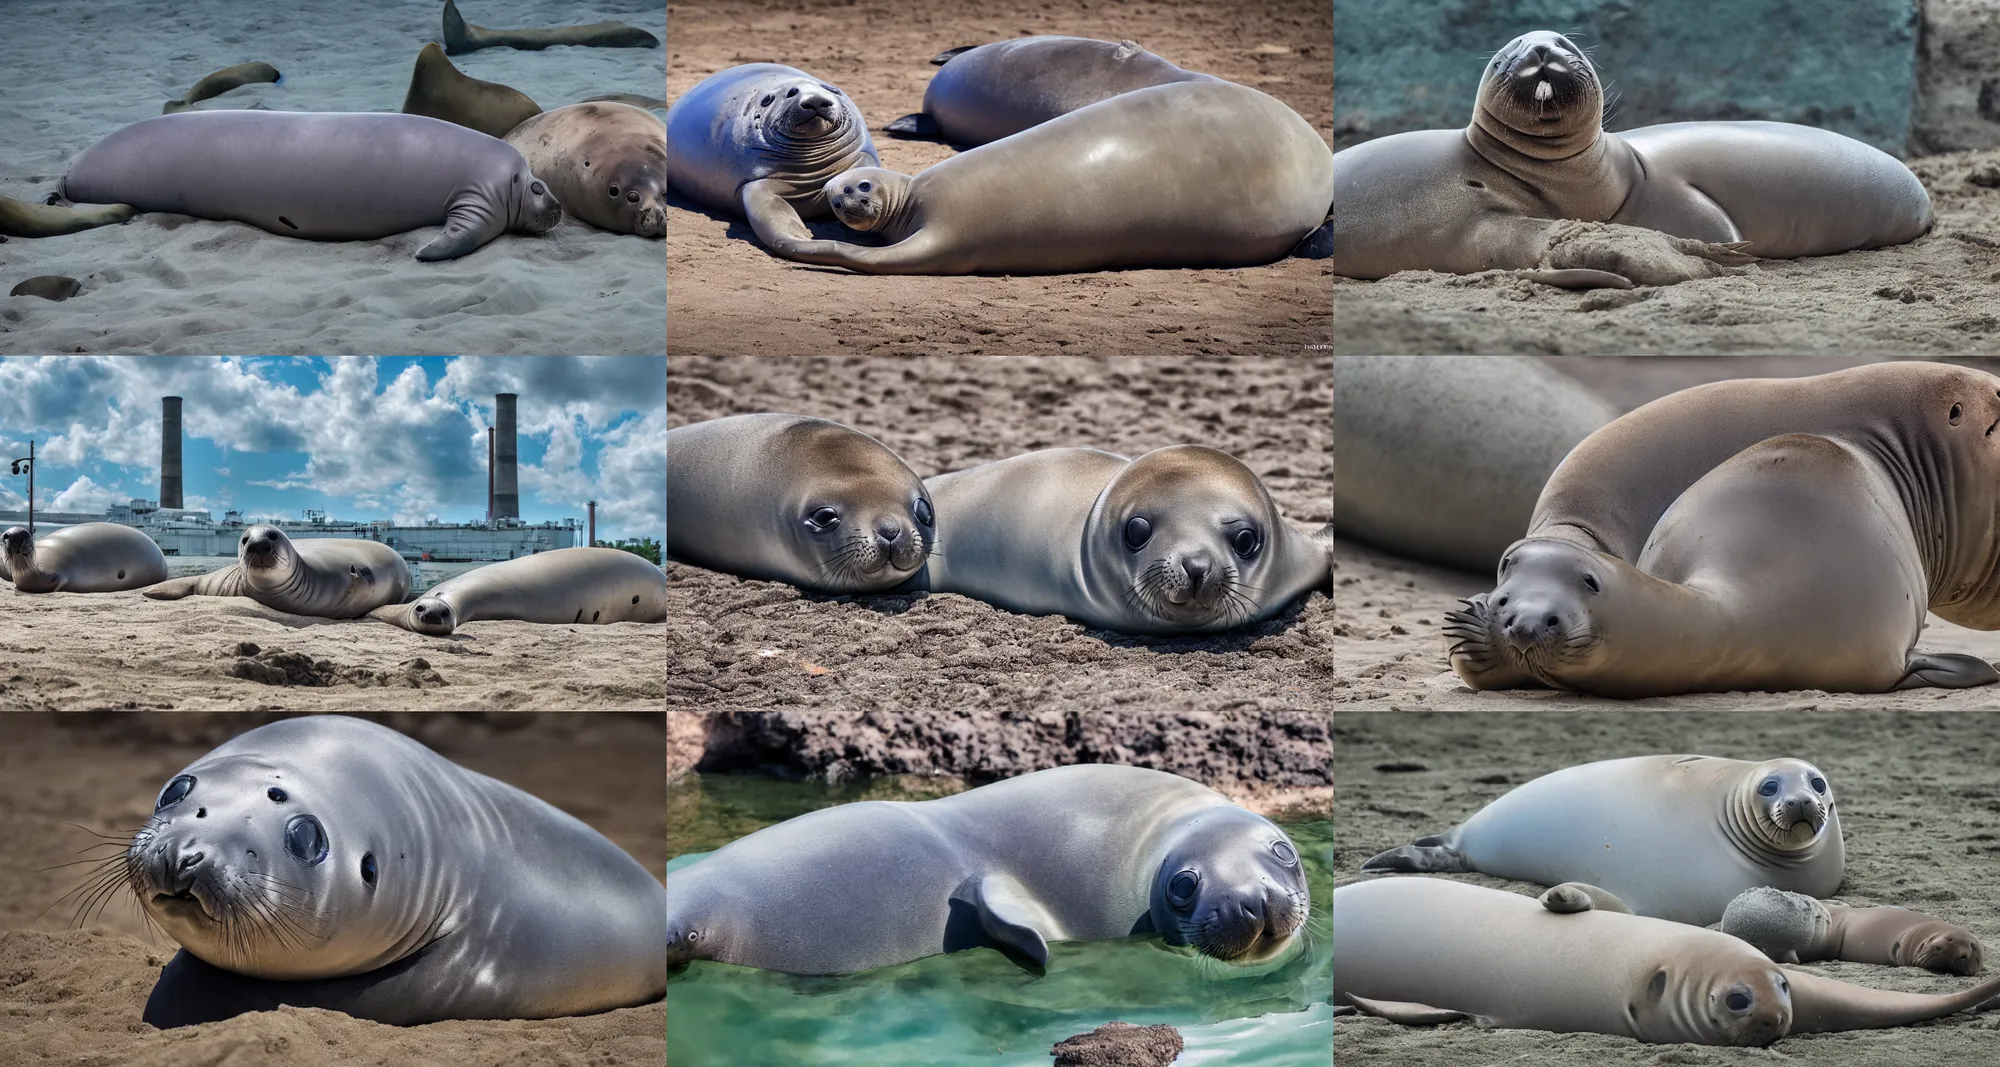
1656,987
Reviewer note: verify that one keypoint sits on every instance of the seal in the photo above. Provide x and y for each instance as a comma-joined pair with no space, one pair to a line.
329,862
1675,837
222,81
20,219
441,91
57,287
1441,457
461,36
997,90
760,140
1757,534
605,162
1183,539
324,176
566,585
1191,174
1429,950
1792,928
1075,853
1490,196
333,578
795,499
90,557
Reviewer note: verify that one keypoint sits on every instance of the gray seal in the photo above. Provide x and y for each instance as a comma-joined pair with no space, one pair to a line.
461,36
1792,928
1074,853
21,219
222,81
333,578
90,557
997,90
325,176
329,862
567,585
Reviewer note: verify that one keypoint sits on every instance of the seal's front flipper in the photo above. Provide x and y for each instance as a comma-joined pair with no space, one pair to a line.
394,615
917,125
1578,279
1427,855
174,588
944,57
773,218
1410,1013
52,219
1571,898
1317,244
1011,916
465,231
1946,670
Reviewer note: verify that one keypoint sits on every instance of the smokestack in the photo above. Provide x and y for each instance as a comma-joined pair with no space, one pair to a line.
593,525
489,474
506,491
170,452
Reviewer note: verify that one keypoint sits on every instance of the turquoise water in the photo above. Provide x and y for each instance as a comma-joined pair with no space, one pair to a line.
979,1007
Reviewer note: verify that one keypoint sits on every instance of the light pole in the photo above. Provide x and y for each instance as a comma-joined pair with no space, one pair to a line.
27,463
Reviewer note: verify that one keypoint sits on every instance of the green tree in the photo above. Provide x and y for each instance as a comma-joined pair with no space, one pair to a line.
645,548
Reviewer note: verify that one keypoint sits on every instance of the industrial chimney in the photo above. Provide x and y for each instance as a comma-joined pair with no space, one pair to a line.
593,526
506,489
170,452
489,474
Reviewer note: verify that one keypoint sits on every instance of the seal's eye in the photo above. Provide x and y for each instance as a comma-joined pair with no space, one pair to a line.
1955,414
368,868
1769,788
1245,542
275,794
536,188
823,519
1590,580
176,791
1818,784
614,192
1506,563
793,91
245,541
847,189
1737,1002
1285,853
1137,532
305,840
767,100
866,187
1180,889
923,510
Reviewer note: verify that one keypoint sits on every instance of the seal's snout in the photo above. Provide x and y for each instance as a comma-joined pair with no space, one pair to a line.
15,540
818,103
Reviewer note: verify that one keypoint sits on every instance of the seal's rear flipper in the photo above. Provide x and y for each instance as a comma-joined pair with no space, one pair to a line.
1946,670
1578,278
944,57
1427,855
172,588
1410,1013
1011,916
917,125
394,615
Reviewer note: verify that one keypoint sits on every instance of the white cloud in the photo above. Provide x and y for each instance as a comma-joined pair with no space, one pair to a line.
85,495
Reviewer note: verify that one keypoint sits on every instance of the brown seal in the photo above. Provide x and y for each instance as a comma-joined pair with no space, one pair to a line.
461,36
221,82
606,162
442,91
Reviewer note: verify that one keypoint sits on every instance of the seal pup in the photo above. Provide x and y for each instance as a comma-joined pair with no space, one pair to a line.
795,499
760,140
330,577
1184,539
566,585
1792,928
997,90
222,81
90,557
1757,534
21,219
329,862
1675,837
1190,174
1074,853
1490,196
325,176
461,36
1422,951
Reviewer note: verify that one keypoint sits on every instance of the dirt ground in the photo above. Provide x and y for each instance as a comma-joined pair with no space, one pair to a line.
1917,796
737,644
73,996
1390,610
725,294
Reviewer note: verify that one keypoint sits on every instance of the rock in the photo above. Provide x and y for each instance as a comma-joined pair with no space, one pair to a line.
1118,1044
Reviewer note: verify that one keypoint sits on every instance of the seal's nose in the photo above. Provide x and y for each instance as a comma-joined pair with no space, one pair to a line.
818,103
183,874
16,539
888,532
1527,627
1197,565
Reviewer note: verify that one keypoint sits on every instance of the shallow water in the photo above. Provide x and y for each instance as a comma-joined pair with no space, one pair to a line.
979,1007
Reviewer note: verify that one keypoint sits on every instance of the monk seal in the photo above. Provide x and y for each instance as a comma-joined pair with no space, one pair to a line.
997,90
1184,539
1440,458
90,557
21,219
566,585
1757,534
795,499
1431,950
1676,837
461,36
324,176
1074,853
329,862
222,81
1792,928
1190,174
760,140
606,162
1489,196
441,91
333,578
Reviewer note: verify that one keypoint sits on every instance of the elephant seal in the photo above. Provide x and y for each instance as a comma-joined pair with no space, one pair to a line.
21,219
324,176
795,499
1191,174
606,163
441,91
222,81
1675,837
1440,458
566,585
1757,534
329,862
56,287
997,90
1075,853
1183,539
1791,928
333,578
1491,195
760,140
90,557
1429,950
461,36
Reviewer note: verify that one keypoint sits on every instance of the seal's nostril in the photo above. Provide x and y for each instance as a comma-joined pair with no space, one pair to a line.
1554,622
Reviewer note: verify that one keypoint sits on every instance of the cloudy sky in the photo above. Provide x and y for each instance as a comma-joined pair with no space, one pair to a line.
358,437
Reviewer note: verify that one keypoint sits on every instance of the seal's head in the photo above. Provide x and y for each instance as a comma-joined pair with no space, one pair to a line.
18,547
1782,806
631,173
793,110
868,198
266,553
1940,946
534,209
1541,618
857,516
1232,885
431,615
1743,1000
1540,96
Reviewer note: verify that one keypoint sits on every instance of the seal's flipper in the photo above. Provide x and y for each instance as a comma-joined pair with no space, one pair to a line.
1429,855
466,230
1011,916
1576,278
773,218
1409,1013
53,219
917,125
1824,1005
1946,670
1317,244
1571,898
456,39
174,588
944,57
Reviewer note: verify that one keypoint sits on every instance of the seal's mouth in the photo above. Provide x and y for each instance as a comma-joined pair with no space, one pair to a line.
1949,953
184,905
1242,934
1798,819
1543,82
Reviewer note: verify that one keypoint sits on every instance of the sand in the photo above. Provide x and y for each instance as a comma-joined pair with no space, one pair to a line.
1917,796
1392,652
71,74
728,295
737,644
74,995
74,651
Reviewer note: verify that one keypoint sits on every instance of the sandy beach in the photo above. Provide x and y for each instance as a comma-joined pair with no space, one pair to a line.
173,284
729,295
74,995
